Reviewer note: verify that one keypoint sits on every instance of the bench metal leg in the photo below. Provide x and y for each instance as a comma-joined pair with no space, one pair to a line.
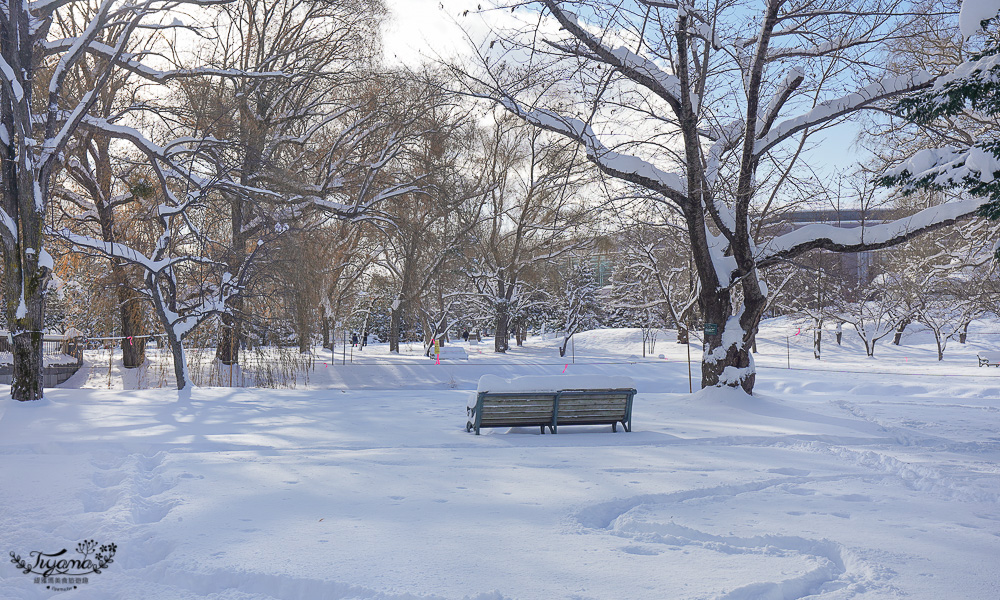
614,428
542,428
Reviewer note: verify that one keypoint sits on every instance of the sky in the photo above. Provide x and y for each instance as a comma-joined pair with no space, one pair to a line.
424,29
427,30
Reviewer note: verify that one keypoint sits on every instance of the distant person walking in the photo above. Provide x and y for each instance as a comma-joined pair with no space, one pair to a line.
465,335
354,339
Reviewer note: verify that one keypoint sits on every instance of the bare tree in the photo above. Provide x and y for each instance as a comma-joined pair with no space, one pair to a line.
654,273
530,214
40,113
429,228
707,94
101,190
182,280
319,137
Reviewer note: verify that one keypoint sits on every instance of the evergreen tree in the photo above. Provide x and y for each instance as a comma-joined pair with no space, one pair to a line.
579,308
973,86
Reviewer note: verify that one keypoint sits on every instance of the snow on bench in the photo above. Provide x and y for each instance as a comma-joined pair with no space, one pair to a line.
451,352
989,359
551,402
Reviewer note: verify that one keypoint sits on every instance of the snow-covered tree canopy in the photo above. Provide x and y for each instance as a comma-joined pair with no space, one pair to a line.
707,104
972,88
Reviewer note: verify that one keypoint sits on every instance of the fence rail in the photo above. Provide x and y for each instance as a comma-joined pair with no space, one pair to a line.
56,351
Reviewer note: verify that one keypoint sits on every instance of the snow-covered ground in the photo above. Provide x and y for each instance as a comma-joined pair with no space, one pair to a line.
843,478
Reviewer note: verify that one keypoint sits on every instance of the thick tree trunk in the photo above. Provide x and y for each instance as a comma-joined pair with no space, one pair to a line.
716,309
231,332
24,198
732,364
251,140
305,335
964,334
501,339
133,337
228,349
27,350
896,339
324,325
25,280
395,321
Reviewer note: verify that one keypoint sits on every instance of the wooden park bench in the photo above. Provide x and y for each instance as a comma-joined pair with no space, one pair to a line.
575,405
989,359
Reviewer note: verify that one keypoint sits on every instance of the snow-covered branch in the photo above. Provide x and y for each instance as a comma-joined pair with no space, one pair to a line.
888,87
622,166
868,237
637,68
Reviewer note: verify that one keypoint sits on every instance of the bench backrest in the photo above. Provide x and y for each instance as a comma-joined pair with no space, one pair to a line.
594,405
503,408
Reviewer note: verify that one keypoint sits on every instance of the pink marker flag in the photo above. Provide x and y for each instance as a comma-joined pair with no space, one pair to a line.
564,368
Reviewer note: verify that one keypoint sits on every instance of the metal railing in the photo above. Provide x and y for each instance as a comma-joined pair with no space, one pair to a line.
56,351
